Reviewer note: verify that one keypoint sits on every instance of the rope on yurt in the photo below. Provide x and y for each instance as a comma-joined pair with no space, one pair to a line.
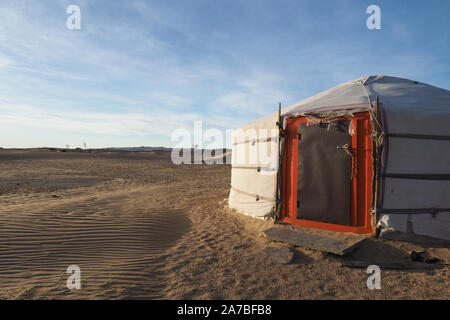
258,168
256,196
418,136
374,118
377,163
255,141
277,208
432,211
418,176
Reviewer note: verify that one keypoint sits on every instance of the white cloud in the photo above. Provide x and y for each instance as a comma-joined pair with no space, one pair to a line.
257,94
159,123
117,76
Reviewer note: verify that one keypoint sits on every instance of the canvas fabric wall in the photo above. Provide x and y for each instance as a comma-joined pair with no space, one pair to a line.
408,107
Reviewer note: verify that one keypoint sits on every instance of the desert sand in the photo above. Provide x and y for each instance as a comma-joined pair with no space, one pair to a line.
140,227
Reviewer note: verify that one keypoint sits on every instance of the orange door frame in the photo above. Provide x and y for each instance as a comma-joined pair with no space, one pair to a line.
361,193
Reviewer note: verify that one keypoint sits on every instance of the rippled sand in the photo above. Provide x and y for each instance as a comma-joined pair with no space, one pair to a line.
113,237
114,230
140,227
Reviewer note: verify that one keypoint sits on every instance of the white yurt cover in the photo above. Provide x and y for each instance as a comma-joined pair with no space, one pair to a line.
418,110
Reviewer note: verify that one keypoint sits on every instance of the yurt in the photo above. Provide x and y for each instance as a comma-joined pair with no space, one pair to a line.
372,154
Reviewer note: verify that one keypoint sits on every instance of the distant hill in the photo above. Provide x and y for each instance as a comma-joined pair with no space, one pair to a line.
142,148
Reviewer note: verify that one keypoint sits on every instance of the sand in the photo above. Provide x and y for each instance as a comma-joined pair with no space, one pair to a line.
140,227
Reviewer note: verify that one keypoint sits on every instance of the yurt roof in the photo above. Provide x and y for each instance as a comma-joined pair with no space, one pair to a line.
410,106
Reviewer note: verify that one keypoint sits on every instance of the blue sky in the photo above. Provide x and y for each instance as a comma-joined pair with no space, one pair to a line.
137,70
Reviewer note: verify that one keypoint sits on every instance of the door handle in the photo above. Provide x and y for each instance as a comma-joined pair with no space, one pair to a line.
346,148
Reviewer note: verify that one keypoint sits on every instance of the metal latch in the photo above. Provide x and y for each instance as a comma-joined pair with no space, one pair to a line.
346,148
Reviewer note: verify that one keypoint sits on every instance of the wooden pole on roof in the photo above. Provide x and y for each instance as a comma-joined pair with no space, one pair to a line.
277,213
377,159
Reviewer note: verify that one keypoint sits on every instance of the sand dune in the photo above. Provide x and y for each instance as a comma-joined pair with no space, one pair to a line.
111,236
